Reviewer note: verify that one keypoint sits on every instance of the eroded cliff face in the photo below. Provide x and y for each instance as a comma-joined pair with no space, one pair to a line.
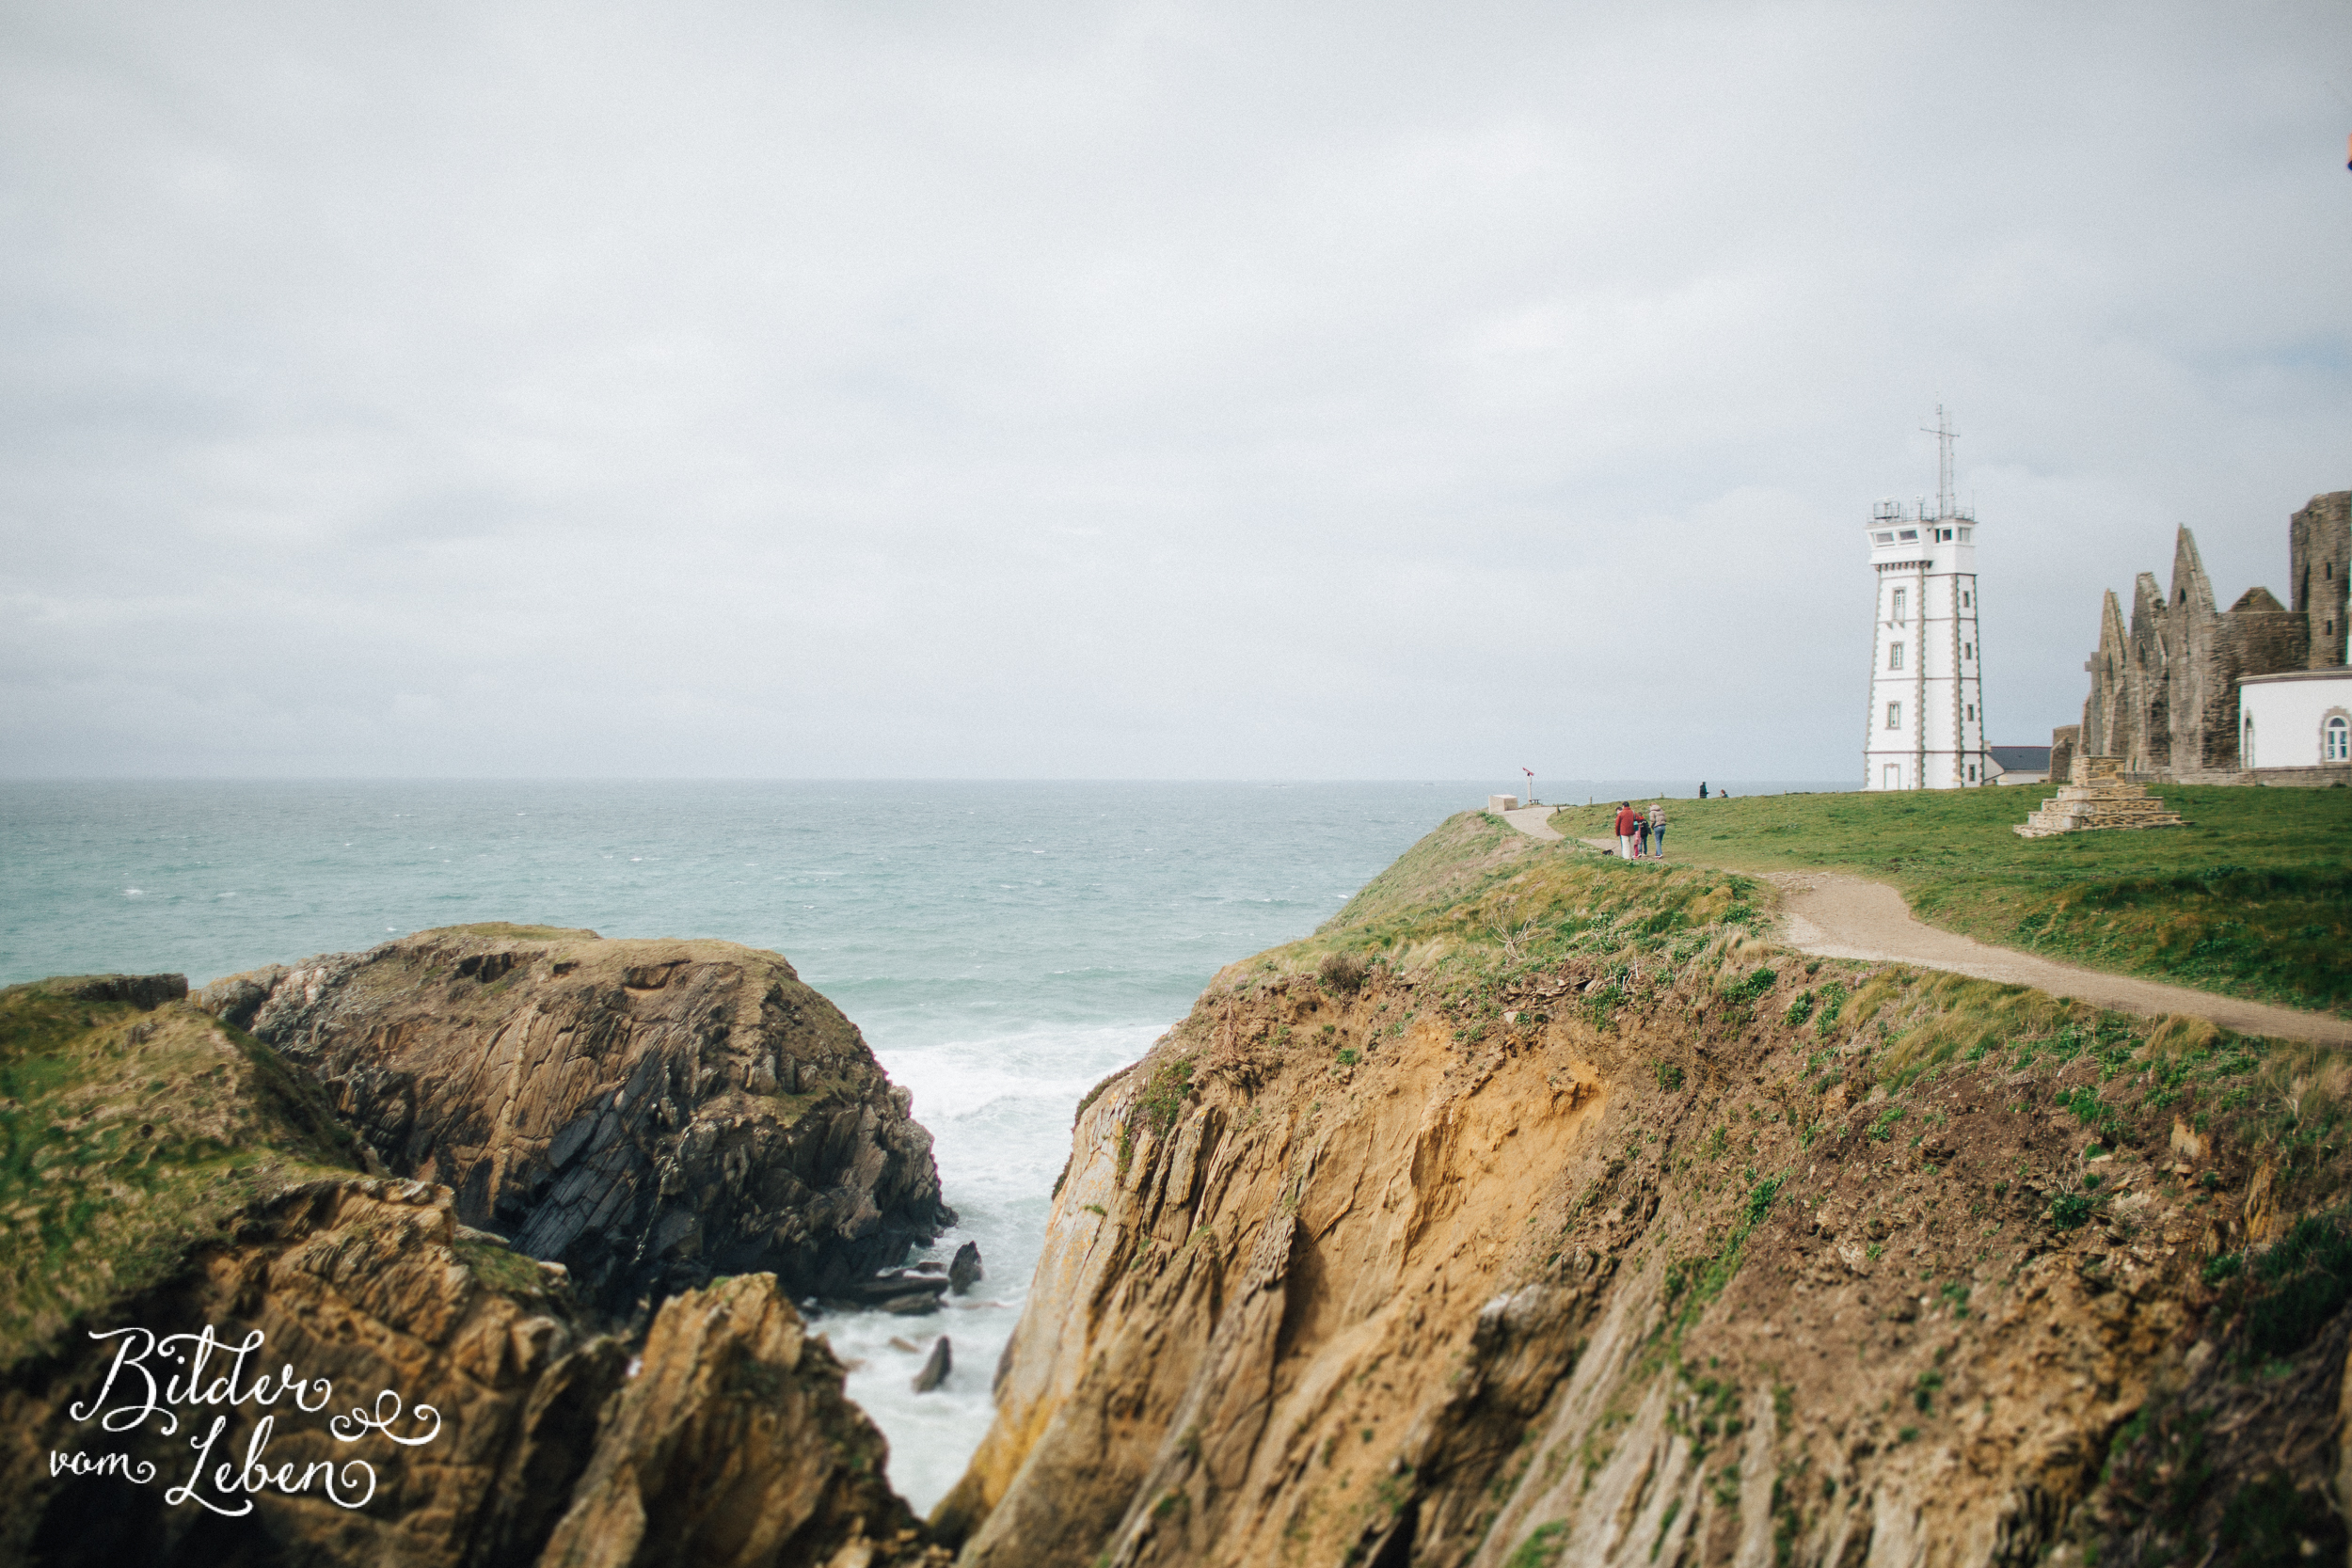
1539,1211
164,1173
536,1425
648,1114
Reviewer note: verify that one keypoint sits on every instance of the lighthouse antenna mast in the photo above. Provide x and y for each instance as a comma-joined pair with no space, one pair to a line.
1945,434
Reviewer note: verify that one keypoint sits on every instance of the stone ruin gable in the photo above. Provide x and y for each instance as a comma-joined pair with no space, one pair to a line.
648,1114
2106,712
2150,654
2164,687
2319,546
2193,686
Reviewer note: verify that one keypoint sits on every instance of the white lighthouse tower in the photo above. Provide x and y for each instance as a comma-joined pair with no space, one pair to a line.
1927,699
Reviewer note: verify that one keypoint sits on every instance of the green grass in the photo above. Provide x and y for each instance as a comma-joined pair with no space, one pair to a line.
2252,899
126,1138
1477,903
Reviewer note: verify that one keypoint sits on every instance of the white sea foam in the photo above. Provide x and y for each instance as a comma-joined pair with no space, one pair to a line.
998,1109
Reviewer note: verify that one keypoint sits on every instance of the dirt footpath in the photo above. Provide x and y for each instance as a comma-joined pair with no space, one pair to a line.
1535,821
1834,916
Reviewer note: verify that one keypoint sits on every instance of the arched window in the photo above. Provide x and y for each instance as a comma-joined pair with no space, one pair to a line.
1902,604
2336,739
2246,742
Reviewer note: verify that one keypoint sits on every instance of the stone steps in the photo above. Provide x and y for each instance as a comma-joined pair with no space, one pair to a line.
2098,798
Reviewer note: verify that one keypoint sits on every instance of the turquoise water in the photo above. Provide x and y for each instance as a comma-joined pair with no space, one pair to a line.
1003,945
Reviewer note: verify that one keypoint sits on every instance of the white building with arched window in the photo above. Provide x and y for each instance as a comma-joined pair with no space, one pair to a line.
2295,718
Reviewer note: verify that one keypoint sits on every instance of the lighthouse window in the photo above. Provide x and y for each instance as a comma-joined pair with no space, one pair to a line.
1885,536
1893,656
1908,535
1967,600
1966,535
1894,716
1972,712
1902,601
1967,650
2338,745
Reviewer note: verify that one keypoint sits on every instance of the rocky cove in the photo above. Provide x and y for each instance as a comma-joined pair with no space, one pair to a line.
1536,1209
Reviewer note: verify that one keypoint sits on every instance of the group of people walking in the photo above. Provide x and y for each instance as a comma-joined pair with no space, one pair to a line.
1642,835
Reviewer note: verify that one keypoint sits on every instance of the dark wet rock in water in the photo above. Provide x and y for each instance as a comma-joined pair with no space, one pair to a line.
935,1371
652,1114
966,1270
921,1304
890,1286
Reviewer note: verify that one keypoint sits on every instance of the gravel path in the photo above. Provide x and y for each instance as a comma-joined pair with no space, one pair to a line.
1535,821
1834,916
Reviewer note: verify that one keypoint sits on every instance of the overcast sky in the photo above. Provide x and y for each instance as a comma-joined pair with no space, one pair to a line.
1122,390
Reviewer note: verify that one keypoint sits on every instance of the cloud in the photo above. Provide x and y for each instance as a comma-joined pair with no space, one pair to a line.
1134,390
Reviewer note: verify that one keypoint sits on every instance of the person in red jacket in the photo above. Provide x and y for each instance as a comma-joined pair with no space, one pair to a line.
1625,819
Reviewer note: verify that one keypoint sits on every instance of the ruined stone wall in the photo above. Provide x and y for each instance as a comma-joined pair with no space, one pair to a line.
2319,556
2104,730
2149,748
2164,687
2064,743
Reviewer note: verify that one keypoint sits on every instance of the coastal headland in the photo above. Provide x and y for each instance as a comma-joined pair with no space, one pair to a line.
1537,1208
1541,1209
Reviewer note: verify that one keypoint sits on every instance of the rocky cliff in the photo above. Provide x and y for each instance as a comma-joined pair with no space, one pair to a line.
420,1394
648,1114
1538,1210
725,1440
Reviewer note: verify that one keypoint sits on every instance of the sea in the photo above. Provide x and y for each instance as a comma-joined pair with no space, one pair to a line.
1004,946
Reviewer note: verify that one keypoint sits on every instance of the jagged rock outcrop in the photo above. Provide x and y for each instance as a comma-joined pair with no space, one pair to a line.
649,1114
730,1440
364,1283
169,1175
1588,1227
733,1448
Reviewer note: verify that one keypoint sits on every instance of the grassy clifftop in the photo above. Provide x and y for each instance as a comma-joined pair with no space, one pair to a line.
1539,1203
127,1134
2255,898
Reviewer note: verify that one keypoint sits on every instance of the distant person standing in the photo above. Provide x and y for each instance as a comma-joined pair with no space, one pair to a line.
1641,835
1625,819
1657,829
1702,789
